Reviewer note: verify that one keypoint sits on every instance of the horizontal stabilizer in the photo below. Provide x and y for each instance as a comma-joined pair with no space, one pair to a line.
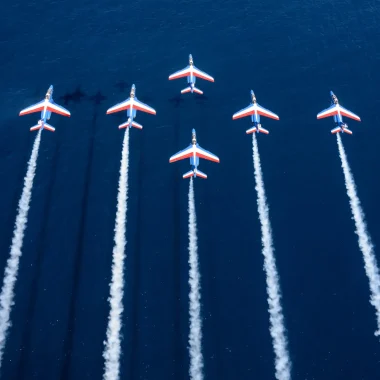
124,125
263,130
136,125
251,130
188,89
49,127
200,174
336,130
188,174
45,126
128,123
346,130
195,173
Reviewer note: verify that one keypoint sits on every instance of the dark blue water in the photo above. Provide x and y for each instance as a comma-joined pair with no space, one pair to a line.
291,54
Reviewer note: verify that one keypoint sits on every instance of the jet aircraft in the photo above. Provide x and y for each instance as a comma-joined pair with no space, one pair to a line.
337,111
194,152
191,72
46,106
132,105
255,110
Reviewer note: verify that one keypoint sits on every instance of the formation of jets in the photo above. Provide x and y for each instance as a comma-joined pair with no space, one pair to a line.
193,151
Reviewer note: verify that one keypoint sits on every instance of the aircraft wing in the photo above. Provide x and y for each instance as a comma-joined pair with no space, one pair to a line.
203,153
201,74
56,108
250,110
51,106
34,108
136,104
140,106
182,154
264,112
348,113
331,111
180,73
120,106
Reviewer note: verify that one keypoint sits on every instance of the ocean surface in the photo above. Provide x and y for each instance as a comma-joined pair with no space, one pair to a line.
291,53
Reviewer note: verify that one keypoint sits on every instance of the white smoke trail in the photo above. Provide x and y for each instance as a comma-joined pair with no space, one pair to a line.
365,243
277,328
112,349
195,333
11,270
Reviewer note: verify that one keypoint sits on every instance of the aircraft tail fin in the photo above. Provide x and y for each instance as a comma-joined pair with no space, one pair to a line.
335,130
197,90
